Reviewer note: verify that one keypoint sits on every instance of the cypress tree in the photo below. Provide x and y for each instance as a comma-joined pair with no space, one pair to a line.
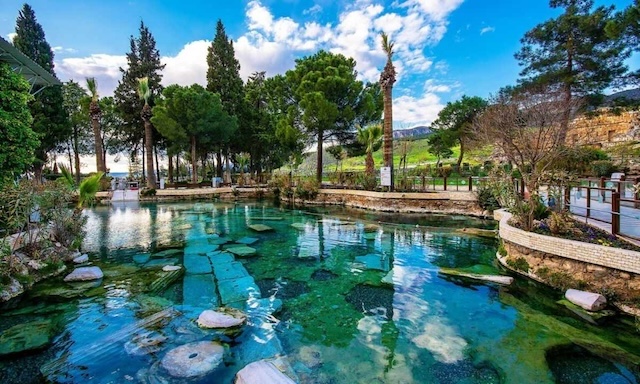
50,121
143,61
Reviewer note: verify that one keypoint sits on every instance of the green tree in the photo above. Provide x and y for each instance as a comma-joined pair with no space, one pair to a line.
190,114
19,142
143,60
440,143
95,113
74,99
387,79
572,52
457,117
326,100
625,26
261,141
370,136
50,121
223,78
144,92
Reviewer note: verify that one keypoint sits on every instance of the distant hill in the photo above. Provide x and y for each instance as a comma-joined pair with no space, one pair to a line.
630,95
415,132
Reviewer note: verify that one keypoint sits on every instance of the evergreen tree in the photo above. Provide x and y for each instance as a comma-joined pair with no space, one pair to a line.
223,78
572,52
143,60
19,142
79,141
50,121
626,27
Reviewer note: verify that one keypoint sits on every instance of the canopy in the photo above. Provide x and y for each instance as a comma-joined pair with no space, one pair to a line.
38,77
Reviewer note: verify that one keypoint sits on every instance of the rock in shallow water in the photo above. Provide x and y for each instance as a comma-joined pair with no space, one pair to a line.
222,318
193,359
81,259
262,372
26,337
587,300
85,274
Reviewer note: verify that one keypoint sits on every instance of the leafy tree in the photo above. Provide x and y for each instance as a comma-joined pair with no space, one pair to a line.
145,94
113,138
440,143
572,52
74,97
370,136
19,142
261,141
190,114
387,79
326,100
95,112
143,60
457,118
49,117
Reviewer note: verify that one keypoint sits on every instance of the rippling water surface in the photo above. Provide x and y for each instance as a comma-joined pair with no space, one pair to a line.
344,296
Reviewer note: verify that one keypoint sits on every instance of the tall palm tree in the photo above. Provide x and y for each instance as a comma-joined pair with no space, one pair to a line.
387,79
370,136
145,93
96,113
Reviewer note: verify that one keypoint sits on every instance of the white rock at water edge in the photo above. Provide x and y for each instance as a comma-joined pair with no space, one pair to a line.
215,319
171,268
85,274
587,300
81,259
262,372
193,359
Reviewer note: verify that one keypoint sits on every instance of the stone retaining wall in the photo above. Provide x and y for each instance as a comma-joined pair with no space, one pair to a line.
601,268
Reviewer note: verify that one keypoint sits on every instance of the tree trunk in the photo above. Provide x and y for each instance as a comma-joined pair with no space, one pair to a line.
148,135
95,124
461,154
155,152
319,157
144,169
388,131
194,161
219,163
76,155
369,164
170,168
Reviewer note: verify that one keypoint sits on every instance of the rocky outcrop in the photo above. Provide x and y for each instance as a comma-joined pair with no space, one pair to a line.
262,372
26,337
222,318
85,274
193,359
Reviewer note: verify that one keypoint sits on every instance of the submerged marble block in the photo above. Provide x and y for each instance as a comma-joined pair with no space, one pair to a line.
587,300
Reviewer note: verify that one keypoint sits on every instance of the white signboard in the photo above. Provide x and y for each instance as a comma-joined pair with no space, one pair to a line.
385,176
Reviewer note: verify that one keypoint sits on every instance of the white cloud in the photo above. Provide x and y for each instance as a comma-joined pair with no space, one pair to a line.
10,37
105,68
188,66
430,86
59,49
313,10
435,9
487,30
412,110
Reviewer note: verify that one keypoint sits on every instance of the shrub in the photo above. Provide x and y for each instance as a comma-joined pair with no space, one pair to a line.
600,168
445,171
560,223
519,264
307,189
486,198
280,183
502,251
367,182
148,192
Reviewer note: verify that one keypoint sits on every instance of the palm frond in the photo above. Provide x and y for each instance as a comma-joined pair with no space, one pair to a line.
387,46
88,188
143,89
92,85
67,176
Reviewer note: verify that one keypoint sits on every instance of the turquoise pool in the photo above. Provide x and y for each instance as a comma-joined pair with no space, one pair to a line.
342,296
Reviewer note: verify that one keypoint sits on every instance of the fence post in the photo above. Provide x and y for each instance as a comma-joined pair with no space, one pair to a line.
602,186
470,183
445,182
621,184
424,186
588,202
636,197
522,187
615,213
567,199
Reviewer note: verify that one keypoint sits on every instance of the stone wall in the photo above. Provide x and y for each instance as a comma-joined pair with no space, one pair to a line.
605,130
464,203
600,268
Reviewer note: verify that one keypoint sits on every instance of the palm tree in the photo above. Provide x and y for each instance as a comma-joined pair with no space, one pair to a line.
145,93
387,79
370,136
95,113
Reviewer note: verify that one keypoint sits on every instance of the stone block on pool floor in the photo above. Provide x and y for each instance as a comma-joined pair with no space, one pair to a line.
260,228
196,264
199,291
263,372
299,226
166,253
220,257
200,249
374,261
243,251
229,271
85,274
247,240
238,290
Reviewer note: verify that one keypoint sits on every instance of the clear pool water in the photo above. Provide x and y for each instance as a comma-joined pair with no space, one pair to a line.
362,302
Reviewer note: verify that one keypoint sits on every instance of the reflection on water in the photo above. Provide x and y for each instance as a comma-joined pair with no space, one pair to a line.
346,296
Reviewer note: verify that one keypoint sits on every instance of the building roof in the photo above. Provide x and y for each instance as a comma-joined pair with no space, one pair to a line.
20,63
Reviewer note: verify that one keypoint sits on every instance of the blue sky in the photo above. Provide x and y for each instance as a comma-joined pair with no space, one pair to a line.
445,48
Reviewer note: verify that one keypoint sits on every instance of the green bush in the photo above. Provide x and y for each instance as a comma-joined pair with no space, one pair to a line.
307,189
445,171
600,168
148,192
519,264
502,251
367,182
486,199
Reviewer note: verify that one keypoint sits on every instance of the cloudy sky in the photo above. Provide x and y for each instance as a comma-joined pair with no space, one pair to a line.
444,48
